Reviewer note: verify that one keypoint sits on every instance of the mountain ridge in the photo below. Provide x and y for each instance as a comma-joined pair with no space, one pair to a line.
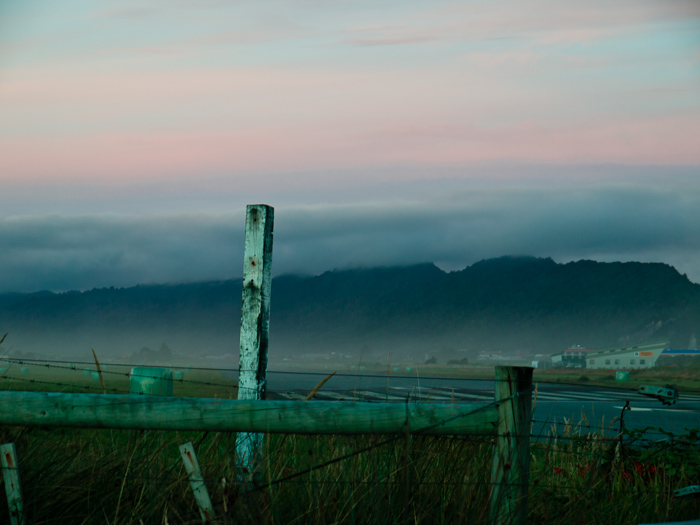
498,304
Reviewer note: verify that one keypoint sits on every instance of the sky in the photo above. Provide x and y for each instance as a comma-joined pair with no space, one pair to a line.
133,134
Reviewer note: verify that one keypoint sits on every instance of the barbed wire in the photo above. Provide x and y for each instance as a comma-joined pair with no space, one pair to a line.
537,437
404,435
67,385
69,365
376,375
126,374
73,366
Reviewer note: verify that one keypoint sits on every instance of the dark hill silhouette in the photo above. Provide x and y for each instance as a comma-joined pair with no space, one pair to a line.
497,304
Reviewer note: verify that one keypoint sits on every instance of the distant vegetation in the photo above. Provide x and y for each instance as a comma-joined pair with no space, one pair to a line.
504,304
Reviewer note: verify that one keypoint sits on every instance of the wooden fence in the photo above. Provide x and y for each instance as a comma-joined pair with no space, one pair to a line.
507,418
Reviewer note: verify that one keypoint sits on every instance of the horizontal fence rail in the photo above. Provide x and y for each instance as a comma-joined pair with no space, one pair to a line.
286,417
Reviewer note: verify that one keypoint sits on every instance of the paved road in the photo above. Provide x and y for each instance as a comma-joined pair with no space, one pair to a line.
555,404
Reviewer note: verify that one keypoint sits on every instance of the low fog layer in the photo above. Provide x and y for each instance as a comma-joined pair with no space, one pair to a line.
450,223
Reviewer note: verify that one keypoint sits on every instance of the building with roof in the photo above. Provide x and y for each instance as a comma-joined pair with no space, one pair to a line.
573,357
626,357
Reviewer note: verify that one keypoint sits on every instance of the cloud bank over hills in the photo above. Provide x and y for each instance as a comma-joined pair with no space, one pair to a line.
452,223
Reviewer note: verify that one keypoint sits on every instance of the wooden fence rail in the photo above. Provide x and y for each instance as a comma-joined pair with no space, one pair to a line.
283,417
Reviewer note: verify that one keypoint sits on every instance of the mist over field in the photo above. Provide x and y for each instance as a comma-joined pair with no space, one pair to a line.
510,305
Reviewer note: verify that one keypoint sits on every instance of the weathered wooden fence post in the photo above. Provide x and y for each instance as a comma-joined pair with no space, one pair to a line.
13,487
510,474
255,319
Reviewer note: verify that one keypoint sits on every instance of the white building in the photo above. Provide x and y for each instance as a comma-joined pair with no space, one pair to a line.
627,357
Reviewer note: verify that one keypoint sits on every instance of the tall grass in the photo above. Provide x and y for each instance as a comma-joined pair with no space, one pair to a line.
103,476
578,476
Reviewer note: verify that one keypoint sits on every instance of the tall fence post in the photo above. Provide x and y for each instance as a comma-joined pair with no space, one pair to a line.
510,473
255,320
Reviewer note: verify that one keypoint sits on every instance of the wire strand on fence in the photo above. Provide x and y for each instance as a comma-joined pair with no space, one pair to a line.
378,375
72,365
389,440
127,374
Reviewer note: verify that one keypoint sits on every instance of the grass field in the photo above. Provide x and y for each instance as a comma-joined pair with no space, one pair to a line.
79,378
685,378
105,476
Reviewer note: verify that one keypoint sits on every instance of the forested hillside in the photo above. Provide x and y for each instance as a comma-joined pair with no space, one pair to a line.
507,303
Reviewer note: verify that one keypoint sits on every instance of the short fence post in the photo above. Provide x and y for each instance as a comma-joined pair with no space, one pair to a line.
255,320
201,494
510,474
13,488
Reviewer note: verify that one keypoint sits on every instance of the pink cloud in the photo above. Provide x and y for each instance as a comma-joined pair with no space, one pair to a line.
130,116
670,140
391,41
155,156
553,21
389,35
127,13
